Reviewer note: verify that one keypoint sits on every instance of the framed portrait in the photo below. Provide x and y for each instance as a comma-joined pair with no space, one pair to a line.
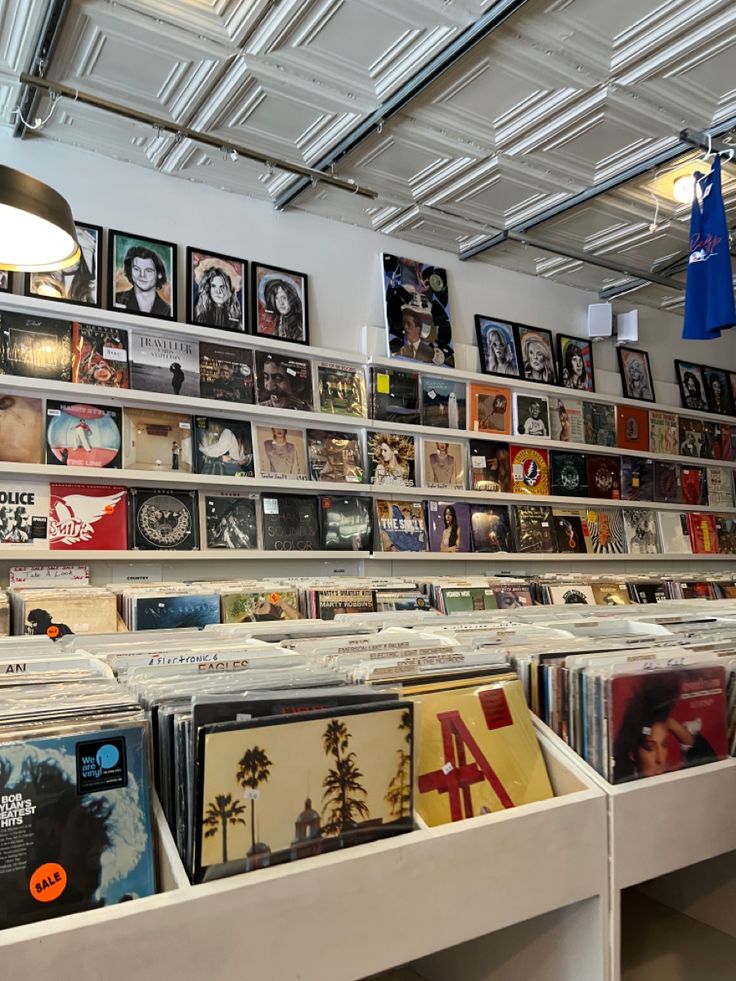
636,375
216,286
80,283
575,363
4,281
417,311
732,386
497,347
691,384
280,303
536,353
718,391
142,275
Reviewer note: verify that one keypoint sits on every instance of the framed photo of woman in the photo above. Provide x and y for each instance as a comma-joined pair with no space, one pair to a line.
80,283
496,345
216,286
575,363
142,275
534,347
279,299
636,375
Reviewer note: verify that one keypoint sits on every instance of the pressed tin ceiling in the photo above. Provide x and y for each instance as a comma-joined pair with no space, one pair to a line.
561,97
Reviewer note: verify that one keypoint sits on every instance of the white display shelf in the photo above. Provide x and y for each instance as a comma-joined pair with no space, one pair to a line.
70,555
348,915
501,558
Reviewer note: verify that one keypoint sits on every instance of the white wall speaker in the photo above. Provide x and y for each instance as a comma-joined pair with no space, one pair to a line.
627,327
600,320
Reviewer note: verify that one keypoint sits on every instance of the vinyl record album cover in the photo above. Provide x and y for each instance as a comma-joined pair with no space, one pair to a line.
163,519
76,832
569,474
165,364
663,432
694,485
346,523
443,402
571,531
157,440
529,470
83,435
226,373
395,396
391,459
712,441
534,528
674,532
474,599
640,525
401,526
513,597
648,593
330,603
703,533
726,534
572,595
606,530
290,522
100,356
230,521
490,467
604,479
611,594
449,526
489,409
37,347
284,381
282,453
444,464
692,439
335,456
22,426
531,415
632,428
566,419
57,613
88,516
667,483
24,510
253,606
223,447
720,487
491,528
637,479
341,389
599,421
166,612
417,311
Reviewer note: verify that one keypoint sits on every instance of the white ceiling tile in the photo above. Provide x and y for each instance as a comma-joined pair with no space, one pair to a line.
20,23
433,228
207,166
226,21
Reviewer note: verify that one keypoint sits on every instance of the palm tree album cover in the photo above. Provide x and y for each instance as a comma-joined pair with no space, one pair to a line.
280,789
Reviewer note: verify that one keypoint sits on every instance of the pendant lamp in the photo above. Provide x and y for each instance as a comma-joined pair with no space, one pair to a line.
37,231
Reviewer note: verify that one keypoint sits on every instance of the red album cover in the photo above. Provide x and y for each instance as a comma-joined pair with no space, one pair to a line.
604,478
727,441
694,487
666,720
703,533
632,428
88,516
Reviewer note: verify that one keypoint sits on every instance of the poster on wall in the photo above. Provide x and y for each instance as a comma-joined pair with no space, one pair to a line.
142,274
417,311
79,283
216,290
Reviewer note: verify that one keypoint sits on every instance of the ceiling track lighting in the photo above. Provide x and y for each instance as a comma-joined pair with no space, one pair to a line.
184,132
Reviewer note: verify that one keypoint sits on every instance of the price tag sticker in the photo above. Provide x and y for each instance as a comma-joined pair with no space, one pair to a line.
114,354
447,768
252,794
383,383
270,505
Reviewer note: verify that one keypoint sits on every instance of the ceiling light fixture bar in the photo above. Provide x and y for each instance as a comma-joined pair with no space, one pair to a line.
184,132
47,39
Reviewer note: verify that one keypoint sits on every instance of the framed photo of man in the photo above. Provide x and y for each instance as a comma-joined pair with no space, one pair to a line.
142,275
636,375
575,363
80,283
717,391
417,311
280,303
498,355
691,383
216,286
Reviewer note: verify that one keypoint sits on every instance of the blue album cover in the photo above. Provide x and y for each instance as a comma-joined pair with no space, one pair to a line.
75,830
165,612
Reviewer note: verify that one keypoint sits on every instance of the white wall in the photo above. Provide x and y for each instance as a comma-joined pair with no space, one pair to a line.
342,260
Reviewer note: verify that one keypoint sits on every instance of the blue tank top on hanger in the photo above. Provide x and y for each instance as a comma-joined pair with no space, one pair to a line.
709,299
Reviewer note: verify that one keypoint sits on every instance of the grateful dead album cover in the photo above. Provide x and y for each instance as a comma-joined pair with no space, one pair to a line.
417,311
88,516
163,519
83,435
37,347
100,356
226,373
529,470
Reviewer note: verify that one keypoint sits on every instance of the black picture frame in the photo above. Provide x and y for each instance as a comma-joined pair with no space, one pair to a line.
723,405
490,364
6,281
226,265
262,273
523,336
692,395
565,371
54,280
633,388
732,384
164,307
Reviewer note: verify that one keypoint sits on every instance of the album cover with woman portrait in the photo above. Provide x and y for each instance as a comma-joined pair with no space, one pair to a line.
444,464
99,356
280,303
417,311
636,374
163,519
281,452
226,373
490,467
575,363
335,456
284,381
391,459
443,402
449,526
80,283
83,435
536,353
165,364
230,520
491,528
489,409
142,275
216,290
223,447
497,347
566,419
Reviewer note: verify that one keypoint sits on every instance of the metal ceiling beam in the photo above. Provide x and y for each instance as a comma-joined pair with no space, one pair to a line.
497,13
685,143
47,38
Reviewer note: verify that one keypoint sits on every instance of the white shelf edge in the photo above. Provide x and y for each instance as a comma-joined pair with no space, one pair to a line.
25,554
503,557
